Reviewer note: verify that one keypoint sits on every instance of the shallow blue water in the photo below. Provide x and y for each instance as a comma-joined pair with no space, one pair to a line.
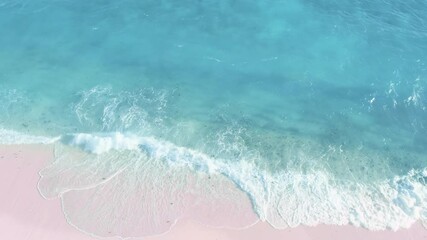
336,86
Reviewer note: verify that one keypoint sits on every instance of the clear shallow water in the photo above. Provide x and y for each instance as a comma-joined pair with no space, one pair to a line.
315,99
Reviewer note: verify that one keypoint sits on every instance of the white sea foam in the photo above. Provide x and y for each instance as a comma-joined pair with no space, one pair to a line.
99,144
287,198
11,98
103,109
9,137
290,198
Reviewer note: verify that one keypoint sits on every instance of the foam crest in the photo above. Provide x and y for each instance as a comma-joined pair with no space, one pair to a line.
158,149
102,143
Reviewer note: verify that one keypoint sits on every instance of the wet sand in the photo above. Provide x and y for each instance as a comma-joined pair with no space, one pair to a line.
24,214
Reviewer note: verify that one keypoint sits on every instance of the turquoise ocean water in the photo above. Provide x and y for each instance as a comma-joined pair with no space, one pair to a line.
315,110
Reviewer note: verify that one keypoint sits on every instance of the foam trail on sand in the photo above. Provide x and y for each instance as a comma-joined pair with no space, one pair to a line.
117,165
137,195
126,169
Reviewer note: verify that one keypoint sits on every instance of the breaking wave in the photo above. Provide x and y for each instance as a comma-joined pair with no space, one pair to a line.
87,166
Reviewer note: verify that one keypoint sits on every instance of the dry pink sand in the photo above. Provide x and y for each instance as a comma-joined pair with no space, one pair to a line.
24,214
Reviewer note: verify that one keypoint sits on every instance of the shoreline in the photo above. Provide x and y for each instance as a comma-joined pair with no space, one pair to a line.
27,215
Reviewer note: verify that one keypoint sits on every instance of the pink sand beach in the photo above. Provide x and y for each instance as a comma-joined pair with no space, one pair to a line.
24,214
